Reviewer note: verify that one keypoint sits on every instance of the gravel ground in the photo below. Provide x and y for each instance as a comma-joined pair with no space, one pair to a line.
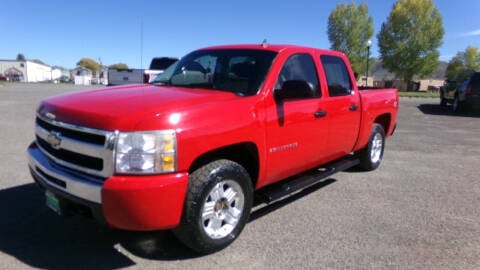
419,210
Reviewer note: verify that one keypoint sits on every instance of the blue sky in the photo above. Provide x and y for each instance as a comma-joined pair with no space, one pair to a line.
62,32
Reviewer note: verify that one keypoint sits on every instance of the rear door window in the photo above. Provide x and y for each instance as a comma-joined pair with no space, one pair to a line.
336,72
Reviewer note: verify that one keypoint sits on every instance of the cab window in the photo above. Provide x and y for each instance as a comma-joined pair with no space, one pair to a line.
300,67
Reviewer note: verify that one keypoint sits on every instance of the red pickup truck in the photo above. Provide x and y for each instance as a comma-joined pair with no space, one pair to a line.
191,150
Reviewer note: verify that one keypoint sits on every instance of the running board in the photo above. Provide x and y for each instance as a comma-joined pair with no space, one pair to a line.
304,180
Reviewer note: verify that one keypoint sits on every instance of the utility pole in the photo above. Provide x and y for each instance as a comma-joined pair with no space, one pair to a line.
369,44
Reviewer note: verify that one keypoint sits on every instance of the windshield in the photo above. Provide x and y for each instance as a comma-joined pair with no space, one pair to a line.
239,71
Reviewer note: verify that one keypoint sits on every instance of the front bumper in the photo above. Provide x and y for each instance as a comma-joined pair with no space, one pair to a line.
150,202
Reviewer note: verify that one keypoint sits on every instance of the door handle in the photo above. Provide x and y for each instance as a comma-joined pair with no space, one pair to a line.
320,114
353,107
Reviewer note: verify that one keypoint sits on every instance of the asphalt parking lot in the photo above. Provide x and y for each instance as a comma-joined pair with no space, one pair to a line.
419,210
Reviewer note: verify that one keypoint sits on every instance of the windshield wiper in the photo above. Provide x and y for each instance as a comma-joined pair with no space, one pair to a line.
161,82
197,85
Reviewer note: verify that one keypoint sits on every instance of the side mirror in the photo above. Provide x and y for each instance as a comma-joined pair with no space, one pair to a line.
294,89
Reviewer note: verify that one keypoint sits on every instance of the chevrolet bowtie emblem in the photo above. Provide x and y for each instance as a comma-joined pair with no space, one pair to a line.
50,116
54,139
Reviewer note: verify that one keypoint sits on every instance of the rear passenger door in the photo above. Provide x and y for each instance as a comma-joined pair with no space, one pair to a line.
342,105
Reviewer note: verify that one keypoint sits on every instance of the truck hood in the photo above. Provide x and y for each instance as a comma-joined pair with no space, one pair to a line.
131,108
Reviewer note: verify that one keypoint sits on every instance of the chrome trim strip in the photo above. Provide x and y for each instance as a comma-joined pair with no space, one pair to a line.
74,127
70,165
76,186
105,152
66,143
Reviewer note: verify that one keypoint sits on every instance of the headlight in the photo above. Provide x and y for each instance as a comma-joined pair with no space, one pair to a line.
146,152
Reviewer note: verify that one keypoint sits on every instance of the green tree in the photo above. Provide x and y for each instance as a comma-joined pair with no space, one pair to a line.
89,63
472,58
118,66
20,57
463,64
38,61
455,66
349,29
409,39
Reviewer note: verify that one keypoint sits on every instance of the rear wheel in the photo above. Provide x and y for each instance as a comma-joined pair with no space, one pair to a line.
443,101
371,156
217,206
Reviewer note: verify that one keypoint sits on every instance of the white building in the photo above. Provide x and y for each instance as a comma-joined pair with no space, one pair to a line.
82,76
56,73
25,71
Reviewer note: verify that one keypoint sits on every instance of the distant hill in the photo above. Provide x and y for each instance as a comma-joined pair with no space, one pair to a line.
380,73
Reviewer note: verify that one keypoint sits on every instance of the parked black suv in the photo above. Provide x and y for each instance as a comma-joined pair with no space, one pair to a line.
464,95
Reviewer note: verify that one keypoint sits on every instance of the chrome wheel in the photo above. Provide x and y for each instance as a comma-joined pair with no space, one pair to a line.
377,148
217,206
222,209
371,156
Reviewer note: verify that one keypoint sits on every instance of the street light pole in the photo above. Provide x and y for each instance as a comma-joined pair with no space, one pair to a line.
369,44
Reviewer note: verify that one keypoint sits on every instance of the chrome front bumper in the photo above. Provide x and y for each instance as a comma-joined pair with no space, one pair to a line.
64,179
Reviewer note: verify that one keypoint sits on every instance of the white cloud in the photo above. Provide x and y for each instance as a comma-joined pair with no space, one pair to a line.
472,33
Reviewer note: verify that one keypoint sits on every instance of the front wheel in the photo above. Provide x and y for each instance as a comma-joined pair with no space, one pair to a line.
217,207
371,156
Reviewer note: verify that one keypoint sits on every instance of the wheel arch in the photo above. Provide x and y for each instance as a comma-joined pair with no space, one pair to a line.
246,154
385,120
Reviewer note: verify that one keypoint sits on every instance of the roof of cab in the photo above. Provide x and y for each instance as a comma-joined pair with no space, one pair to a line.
267,47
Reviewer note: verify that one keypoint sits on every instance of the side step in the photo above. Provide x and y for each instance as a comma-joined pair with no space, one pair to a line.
304,180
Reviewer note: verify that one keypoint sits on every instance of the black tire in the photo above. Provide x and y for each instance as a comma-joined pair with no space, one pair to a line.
443,101
371,156
208,189
457,105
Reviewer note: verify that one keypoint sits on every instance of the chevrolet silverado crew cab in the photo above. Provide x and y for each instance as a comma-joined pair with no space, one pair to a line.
220,127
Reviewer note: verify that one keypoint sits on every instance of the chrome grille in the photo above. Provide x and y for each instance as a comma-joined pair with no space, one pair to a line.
82,149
